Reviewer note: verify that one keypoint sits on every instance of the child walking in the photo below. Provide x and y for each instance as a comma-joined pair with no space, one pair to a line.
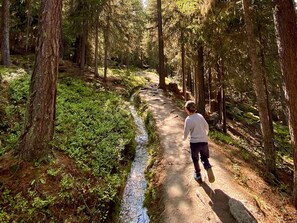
198,128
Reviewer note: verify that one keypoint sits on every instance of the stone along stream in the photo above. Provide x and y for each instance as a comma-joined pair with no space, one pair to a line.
132,210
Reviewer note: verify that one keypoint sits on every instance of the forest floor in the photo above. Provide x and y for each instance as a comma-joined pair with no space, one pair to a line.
181,199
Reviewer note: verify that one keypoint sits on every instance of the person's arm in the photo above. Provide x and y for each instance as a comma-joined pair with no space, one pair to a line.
186,129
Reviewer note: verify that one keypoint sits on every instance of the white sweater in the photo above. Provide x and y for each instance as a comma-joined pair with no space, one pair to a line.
196,125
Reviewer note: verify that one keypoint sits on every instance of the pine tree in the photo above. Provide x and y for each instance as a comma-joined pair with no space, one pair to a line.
34,143
261,93
286,29
161,67
5,33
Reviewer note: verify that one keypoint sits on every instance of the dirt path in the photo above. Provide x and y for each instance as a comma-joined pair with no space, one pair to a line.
182,199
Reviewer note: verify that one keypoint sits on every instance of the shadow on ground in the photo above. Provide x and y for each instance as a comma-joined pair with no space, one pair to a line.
220,205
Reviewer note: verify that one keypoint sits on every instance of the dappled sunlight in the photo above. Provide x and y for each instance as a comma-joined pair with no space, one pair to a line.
184,199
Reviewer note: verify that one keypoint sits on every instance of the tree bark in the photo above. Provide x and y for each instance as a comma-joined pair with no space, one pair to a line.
96,49
286,34
189,79
40,117
201,81
83,49
211,97
196,87
262,54
223,96
261,92
106,48
5,60
183,63
106,42
220,92
161,68
285,111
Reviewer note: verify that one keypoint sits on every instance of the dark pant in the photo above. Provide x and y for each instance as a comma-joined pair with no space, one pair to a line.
202,149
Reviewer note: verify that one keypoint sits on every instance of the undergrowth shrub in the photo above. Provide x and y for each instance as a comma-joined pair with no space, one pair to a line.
92,127
249,116
14,111
95,129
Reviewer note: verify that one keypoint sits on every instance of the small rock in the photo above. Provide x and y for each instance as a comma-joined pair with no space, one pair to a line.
240,213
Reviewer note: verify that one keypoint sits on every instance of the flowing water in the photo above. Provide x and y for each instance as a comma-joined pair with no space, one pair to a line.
132,210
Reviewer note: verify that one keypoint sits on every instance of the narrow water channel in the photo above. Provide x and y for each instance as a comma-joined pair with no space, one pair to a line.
132,210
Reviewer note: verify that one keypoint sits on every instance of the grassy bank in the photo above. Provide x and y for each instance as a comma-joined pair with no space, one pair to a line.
93,147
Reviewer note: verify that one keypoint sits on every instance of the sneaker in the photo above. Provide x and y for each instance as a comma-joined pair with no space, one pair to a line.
197,177
210,175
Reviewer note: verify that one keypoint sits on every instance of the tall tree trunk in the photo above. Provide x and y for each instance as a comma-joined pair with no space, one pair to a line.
262,54
83,49
223,96
96,49
40,116
189,79
285,111
196,87
220,92
161,68
286,33
122,60
5,60
183,63
106,48
201,81
106,42
261,93
211,98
